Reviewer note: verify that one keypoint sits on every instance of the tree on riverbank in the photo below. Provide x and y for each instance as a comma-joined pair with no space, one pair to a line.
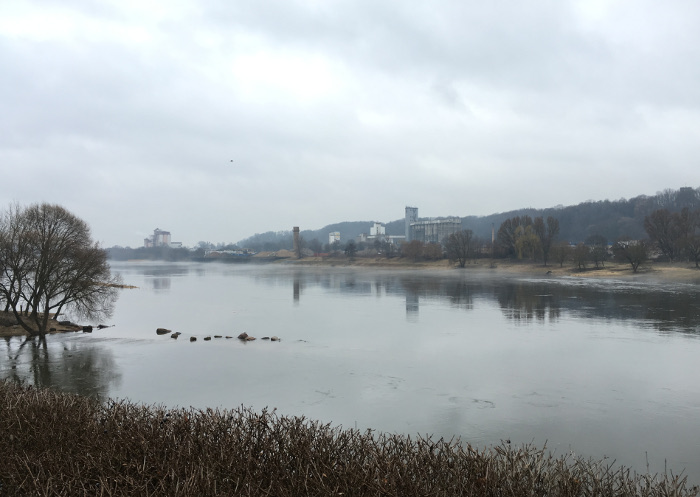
636,252
460,247
48,264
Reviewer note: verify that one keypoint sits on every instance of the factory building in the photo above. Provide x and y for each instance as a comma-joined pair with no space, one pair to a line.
433,230
160,238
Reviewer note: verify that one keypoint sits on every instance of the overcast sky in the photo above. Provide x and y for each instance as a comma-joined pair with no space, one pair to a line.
216,120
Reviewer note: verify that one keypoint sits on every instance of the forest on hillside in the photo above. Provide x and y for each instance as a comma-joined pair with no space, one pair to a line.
611,219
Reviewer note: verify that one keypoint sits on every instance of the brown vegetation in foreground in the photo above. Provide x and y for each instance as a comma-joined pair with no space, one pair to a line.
61,444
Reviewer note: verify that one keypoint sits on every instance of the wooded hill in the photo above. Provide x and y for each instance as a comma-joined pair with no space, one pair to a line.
609,218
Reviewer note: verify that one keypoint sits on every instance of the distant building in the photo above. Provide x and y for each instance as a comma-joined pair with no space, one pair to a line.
160,238
411,217
396,239
430,230
377,230
333,236
435,230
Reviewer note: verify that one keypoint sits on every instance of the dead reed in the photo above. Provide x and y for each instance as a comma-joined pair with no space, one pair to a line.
59,444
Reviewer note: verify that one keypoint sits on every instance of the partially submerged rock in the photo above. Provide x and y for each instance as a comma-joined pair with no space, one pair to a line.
163,331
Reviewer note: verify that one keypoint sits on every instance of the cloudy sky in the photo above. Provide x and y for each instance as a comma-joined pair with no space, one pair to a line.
217,119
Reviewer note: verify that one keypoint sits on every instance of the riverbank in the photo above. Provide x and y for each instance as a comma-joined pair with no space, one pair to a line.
85,447
9,326
682,272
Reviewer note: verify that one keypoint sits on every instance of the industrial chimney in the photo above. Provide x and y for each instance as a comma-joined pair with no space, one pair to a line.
297,247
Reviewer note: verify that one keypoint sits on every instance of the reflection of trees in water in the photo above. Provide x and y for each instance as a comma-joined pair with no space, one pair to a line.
526,301
161,283
76,368
159,275
519,300
662,309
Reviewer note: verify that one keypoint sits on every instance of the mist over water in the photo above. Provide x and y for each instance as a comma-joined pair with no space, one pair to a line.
600,368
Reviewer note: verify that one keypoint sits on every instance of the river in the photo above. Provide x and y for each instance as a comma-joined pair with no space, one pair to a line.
599,368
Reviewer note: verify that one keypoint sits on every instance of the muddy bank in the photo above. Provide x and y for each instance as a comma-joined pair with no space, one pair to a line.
10,327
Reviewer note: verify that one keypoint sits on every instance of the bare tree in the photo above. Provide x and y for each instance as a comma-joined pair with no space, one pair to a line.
50,264
350,249
508,233
598,245
527,243
546,234
636,252
581,254
412,250
561,252
691,242
663,229
459,246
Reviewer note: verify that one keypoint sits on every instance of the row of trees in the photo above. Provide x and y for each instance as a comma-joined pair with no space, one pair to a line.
523,237
49,265
675,234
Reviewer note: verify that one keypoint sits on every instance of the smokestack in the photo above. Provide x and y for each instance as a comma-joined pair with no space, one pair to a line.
297,249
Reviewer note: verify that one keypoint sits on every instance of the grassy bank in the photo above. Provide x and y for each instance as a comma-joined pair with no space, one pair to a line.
60,444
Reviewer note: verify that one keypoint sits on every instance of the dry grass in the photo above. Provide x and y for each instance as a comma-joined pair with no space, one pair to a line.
59,444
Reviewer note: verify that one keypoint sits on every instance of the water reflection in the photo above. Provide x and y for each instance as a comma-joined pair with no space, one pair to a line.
68,365
665,308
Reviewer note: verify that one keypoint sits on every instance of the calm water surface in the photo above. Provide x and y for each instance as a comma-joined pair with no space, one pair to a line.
598,368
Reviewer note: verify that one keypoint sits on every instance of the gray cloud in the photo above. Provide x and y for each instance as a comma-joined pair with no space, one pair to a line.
130,115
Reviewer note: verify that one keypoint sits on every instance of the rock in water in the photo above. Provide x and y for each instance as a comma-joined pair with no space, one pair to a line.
162,331
193,339
243,336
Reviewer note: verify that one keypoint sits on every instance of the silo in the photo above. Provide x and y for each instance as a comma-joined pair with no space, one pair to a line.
411,217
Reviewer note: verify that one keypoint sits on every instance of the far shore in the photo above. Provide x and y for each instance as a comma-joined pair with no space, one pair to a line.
678,272
658,272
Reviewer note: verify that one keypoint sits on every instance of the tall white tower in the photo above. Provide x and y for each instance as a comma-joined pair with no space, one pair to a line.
411,217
